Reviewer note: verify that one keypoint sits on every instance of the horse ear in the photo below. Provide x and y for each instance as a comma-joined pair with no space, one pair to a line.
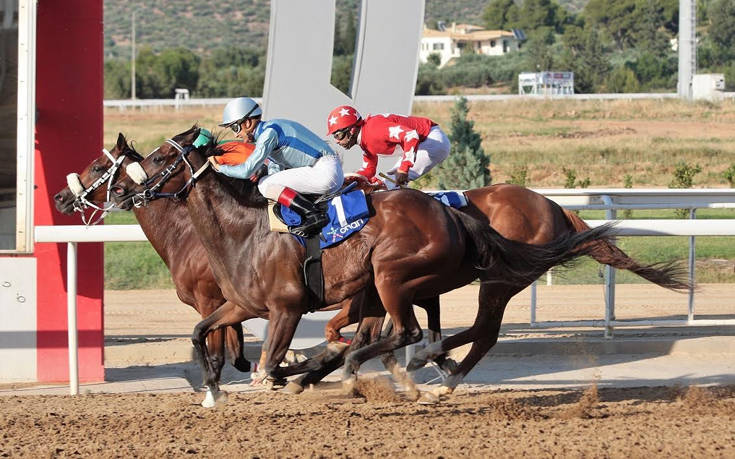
121,142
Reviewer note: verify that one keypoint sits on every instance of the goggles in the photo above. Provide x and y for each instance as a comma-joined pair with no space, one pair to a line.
237,126
341,134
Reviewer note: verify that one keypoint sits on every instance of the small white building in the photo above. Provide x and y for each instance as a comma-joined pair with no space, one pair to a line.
462,38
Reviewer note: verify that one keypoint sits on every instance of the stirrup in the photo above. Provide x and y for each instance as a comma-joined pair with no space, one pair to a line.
311,228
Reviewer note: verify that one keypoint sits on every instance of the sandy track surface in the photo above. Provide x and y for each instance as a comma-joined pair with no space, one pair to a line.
645,422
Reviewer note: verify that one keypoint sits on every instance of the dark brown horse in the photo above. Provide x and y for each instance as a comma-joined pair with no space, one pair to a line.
167,226
412,248
194,281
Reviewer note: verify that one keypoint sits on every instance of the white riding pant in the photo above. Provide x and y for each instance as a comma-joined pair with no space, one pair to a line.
433,150
325,176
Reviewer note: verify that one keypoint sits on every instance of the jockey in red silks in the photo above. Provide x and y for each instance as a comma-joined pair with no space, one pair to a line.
423,142
299,161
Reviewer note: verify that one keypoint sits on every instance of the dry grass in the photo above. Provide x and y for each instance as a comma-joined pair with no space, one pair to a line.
602,140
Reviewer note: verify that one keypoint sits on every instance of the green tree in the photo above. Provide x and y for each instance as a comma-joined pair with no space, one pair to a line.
538,13
649,33
500,14
584,54
616,18
721,31
467,165
622,79
539,53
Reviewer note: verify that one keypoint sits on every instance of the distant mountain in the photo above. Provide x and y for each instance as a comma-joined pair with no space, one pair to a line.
205,26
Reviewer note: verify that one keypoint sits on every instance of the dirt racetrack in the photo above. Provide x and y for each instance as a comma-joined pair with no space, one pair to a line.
631,423
152,327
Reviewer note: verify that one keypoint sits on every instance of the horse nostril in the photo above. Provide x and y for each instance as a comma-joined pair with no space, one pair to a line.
57,197
118,190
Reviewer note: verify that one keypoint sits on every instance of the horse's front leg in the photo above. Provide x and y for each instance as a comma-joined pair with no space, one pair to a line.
235,348
227,314
281,330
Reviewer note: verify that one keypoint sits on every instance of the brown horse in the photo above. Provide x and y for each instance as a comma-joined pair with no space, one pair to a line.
192,276
522,215
167,226
413,247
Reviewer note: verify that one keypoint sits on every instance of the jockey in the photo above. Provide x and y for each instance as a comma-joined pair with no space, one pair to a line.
298,161
423,142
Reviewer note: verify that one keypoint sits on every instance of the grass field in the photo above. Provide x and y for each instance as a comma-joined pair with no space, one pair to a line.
600,140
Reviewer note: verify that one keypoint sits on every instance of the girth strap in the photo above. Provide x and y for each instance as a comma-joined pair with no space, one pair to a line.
313,275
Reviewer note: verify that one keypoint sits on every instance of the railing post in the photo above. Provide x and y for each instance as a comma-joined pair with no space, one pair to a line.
692,267
610,214
533,302
71,303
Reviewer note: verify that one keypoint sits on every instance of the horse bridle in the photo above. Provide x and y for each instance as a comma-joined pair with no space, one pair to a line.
151,193
81,203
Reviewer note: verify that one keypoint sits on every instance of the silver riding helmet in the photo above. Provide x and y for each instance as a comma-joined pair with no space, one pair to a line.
238,109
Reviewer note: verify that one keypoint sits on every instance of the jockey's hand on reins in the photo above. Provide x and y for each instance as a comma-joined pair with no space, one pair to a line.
401,179
213,161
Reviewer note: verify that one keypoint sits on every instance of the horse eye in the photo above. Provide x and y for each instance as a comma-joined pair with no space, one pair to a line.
158,159
98,168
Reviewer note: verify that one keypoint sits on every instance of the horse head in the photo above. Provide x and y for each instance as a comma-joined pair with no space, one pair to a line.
91,188
166,172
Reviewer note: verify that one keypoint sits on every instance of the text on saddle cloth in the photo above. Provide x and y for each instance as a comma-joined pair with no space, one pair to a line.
347,213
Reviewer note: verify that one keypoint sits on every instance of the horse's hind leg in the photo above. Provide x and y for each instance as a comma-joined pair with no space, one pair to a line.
406,331
483,334
227,314
432,307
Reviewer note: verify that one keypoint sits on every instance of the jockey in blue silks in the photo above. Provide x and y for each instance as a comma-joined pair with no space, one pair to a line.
299,161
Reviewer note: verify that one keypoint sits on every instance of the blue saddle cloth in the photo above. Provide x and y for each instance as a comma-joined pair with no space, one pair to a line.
347,213
454,199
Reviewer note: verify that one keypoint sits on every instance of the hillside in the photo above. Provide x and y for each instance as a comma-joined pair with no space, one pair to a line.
201,27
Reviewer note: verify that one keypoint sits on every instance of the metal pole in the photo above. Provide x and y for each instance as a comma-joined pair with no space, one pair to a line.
71,302
687,47
533,302
692,259
610,214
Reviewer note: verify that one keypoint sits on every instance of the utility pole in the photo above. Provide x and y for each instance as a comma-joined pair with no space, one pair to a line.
132,60
687,47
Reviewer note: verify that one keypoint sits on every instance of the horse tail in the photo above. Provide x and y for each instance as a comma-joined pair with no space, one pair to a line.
666,274
519,263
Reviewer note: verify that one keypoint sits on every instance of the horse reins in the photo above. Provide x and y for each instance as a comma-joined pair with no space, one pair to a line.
151,193
81,203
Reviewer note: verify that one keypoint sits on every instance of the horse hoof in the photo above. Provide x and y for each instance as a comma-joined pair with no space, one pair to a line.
349,388
275,384
449,365
293,388
415,364
241,364
210,400
428,398
442,391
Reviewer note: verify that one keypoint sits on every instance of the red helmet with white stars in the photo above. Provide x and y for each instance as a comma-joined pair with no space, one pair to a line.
342,117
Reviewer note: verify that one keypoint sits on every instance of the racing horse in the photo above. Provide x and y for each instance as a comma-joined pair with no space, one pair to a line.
523,215
191,273
167,226
412,247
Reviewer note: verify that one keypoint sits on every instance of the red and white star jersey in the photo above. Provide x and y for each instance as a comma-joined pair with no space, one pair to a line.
380,134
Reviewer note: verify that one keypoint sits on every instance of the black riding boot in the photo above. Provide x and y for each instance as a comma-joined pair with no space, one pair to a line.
312,219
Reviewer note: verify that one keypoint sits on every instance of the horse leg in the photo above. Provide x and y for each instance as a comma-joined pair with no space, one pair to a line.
235,348
364,304
431,306
483,334
406,331
227,314
281,329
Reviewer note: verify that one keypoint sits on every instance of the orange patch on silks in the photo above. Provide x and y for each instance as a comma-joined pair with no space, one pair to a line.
234,153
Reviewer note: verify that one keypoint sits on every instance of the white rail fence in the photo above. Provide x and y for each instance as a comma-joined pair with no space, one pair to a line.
123,104
609,200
